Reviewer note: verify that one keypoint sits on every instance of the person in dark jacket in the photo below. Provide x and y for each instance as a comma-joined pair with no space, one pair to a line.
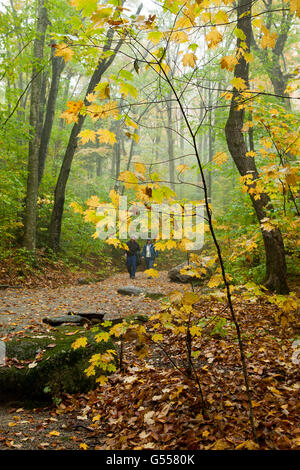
149,254
132,256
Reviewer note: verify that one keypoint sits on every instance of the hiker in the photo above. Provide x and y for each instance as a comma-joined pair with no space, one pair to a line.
149,254
132,256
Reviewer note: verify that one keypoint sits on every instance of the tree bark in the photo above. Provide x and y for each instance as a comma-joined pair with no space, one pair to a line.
58,64
273,243
272,64
60,189
170,141
29,239
211,142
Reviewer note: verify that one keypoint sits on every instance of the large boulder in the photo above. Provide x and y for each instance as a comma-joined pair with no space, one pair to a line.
44,366
175,274
132,290
57,321
77,319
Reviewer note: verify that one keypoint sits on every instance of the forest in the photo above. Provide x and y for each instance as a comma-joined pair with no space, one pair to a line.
149,225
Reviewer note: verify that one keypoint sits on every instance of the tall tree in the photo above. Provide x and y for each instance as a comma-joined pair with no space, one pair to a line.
29,239
60,189
170,138
58,64
274,248
271,61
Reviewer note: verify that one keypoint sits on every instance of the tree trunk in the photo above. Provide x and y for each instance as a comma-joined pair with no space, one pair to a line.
274,248
99,161
272,65
211,142
58,64
170,142
60,190
29,239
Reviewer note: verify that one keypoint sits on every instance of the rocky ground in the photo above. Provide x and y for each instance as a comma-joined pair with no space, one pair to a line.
152,404
22,311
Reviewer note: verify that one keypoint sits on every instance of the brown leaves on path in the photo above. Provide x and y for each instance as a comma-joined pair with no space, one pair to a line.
151,405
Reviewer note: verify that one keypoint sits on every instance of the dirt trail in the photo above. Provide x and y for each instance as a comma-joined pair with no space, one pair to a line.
25,308
22,310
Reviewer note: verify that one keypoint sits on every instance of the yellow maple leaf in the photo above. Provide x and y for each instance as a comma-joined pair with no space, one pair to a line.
250,445
213,38
190,298
87,135
251,154
106,137
136,137
179,36
248,56
189,59
221,17
151,272
54,433
114,241
183,167
268,39
140,168
63,50
98,111
83,446
128,178
96,418
295,7
91,97
71,114
155,36
157,337
195,330
94,201
170,244
102,380
228,62
220,444
131,123
127,88
220,157
80,342
76,207
184,22
238,83
102,90
215,281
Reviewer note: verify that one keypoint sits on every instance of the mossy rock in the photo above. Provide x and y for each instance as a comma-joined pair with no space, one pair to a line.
61,369
155,295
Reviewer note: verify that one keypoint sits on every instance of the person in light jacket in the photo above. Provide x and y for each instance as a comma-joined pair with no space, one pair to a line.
149,254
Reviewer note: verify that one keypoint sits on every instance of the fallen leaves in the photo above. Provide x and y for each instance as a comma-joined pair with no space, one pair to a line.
151,405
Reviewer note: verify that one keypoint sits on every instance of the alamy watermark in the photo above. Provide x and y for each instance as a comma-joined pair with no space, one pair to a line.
156,221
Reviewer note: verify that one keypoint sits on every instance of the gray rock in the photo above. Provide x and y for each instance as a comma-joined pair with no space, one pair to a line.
91,316
129,290
59,369
57,321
